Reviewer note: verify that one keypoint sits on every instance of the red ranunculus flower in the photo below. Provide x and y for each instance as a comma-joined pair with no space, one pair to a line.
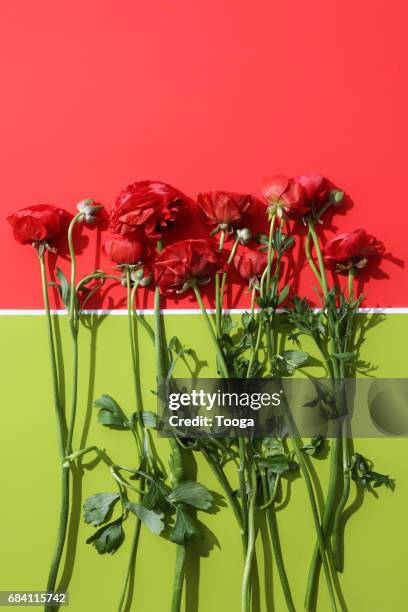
123,251
224,209
186,262
352,249
285,195
38,223
315,187
250,265
146,207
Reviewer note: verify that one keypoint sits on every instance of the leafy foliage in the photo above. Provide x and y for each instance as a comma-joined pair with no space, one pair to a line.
185,528
97,507
108,538
152,520
111,414
361,472
191,493
315,445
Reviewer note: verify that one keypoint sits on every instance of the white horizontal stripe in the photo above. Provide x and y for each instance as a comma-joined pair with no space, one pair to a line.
177,311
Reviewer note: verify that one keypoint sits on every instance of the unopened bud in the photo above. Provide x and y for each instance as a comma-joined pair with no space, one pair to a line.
336,197
89,210
244,235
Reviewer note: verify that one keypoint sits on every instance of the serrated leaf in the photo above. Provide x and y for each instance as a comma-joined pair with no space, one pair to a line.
108,538
316,444
155,498
152,520
191,493
185,528
110,413
97,507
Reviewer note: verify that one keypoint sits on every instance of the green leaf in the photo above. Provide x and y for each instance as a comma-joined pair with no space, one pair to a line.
64,288
316,444
272,447
283,294
155,498
191,493
278,464
108,538
152,520
295,358
97,507
185,528
110,413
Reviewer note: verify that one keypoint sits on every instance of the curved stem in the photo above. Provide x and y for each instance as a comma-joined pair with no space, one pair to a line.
277,551
318,527
323,277
310,260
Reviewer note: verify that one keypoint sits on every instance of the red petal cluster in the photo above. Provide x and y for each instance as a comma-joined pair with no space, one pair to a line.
146,208
186,262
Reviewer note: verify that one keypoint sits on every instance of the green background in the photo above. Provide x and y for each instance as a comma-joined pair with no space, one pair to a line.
376,535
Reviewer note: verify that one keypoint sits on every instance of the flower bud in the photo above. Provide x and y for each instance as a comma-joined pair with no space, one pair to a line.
244,235
336,197
89,210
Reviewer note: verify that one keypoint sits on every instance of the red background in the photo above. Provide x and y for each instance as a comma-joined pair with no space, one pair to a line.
204,95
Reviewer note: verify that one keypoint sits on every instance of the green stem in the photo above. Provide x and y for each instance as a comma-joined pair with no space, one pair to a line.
179,577
270,251
64,504
176,452
223,481
323,277
225,274
337,554
221,358
310,259
135,365
277,551
132,561
245,593
218,299
318,527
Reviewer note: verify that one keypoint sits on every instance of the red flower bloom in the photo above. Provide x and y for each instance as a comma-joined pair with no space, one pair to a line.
351,250
250,265
224,209
146,207
186,262
285,196
123,251
315,187
38,223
